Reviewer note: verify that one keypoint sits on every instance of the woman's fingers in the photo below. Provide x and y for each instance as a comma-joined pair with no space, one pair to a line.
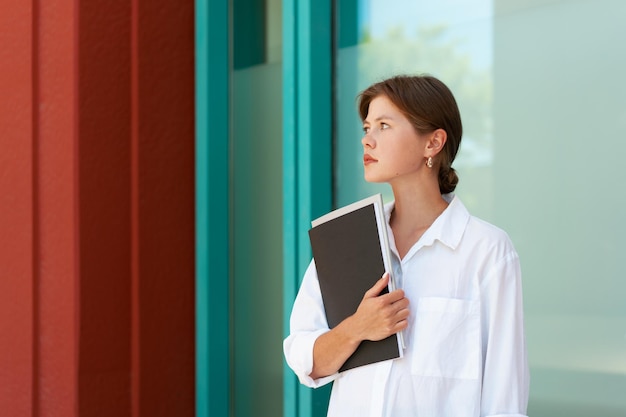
380,285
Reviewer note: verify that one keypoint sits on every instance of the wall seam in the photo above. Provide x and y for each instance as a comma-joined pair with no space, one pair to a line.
36,351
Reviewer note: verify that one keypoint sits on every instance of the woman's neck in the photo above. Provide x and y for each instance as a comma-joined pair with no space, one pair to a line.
417,206
415,209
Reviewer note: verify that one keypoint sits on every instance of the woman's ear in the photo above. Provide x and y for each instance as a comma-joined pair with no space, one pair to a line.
436,142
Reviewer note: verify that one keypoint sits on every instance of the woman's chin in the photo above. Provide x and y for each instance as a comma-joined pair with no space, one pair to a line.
373,178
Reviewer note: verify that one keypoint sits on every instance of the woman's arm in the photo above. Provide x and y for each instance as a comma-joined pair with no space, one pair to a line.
506,377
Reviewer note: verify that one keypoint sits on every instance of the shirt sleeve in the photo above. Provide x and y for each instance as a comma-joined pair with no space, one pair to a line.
307,323
506,377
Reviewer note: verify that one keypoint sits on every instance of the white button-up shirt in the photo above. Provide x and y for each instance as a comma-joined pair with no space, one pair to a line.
465,350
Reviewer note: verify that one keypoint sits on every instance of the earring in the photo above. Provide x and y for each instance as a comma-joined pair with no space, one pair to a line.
429,162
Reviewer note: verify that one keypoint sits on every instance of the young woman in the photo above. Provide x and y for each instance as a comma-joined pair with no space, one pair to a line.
459,300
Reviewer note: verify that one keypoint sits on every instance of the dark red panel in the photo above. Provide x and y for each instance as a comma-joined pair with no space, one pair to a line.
165,172
104,196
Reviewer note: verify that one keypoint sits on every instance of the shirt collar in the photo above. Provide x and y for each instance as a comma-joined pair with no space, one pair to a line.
448,228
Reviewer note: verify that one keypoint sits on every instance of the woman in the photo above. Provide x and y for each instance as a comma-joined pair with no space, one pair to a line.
459,296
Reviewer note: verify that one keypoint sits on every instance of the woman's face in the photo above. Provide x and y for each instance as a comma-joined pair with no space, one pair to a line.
392,149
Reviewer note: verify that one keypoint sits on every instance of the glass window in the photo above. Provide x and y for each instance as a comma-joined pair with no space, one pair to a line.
256,209
541,93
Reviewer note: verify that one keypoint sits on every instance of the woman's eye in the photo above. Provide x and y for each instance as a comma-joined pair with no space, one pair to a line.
366,129
384,126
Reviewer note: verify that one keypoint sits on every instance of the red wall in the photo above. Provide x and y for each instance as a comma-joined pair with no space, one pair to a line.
97,208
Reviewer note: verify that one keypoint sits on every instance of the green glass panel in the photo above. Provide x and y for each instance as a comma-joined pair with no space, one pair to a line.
539,84
257,238
559,102
256,210
307,156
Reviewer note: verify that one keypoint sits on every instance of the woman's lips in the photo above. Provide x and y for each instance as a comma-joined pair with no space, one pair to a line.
367,159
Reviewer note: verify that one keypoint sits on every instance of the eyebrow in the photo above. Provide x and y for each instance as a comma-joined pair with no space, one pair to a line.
379,118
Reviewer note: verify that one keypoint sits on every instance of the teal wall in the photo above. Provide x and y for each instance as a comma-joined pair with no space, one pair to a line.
264,139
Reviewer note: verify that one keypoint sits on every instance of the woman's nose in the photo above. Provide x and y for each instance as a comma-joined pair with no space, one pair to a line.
367,141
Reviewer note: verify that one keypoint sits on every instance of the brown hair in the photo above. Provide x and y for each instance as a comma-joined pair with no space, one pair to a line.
429,105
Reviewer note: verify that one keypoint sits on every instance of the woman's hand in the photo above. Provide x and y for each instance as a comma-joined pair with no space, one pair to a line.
377,317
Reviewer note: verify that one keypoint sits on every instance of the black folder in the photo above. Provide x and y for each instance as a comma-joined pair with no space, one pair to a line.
351,253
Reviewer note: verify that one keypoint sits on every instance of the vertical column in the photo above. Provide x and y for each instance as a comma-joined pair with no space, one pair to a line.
307,186
58,257
212,209
136,189
104,202
17,208
163,198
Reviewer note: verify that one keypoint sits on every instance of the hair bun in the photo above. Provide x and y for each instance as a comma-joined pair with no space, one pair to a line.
448,179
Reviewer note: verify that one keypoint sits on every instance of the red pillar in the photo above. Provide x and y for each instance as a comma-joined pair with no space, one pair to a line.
165,205
97,208
18,280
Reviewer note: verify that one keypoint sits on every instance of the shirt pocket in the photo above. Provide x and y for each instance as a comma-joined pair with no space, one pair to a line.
446,342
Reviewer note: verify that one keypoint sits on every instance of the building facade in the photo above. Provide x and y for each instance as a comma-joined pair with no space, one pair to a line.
161,161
